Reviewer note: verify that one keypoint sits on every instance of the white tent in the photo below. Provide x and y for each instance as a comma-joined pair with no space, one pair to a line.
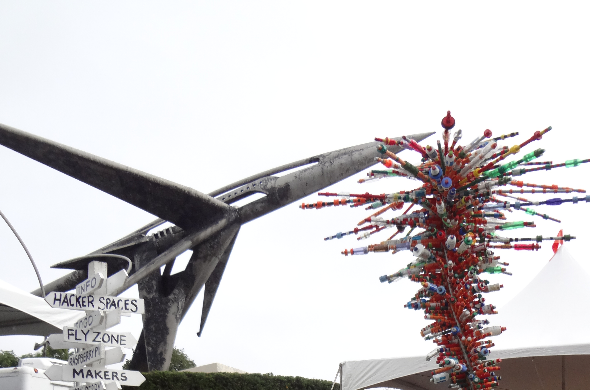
547,345
215,367
22,313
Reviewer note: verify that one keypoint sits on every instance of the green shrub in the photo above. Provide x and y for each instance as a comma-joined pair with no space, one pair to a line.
180,361
61,354
8,359
168,380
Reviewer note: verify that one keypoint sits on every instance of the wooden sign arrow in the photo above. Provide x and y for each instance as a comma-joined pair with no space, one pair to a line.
116,281
56,341
87,356
93,374
112,386
90,285
112,318
95,318
97,353
92,336
92,319
94,302
113,356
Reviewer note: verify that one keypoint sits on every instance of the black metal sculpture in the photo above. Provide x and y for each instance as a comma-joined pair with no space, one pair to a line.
206,224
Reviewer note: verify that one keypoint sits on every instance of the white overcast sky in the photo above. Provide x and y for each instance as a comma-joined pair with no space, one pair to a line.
206,93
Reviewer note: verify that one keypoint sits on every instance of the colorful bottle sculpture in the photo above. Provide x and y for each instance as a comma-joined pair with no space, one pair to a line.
457,220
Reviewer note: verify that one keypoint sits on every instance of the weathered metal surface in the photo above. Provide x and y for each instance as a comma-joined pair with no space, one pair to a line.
181,205
115,262
270,172
205,224
331,168
132,238
204,262
64,283
167,298
127,246
363,155
188,242
211,289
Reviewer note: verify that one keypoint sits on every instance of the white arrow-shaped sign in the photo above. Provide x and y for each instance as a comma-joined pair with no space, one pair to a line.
113,318
87,356
113,356
116,281
91,336
96,318
92,319
56,341
90,285
96,353
94,302
93,374
112,386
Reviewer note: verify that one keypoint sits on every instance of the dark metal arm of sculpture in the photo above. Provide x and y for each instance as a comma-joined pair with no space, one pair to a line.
206,224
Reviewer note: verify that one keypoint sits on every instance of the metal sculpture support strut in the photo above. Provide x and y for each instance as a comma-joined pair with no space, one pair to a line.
206,224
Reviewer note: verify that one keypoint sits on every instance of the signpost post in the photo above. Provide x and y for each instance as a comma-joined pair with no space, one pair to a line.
89,335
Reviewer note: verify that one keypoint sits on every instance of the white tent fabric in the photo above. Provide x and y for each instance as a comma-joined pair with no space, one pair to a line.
363,373
22,313
541,321
214,367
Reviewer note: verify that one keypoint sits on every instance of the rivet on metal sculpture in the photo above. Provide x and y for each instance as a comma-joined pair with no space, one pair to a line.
89,334
458,218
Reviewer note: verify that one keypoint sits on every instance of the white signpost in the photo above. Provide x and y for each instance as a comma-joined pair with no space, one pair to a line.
89,335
